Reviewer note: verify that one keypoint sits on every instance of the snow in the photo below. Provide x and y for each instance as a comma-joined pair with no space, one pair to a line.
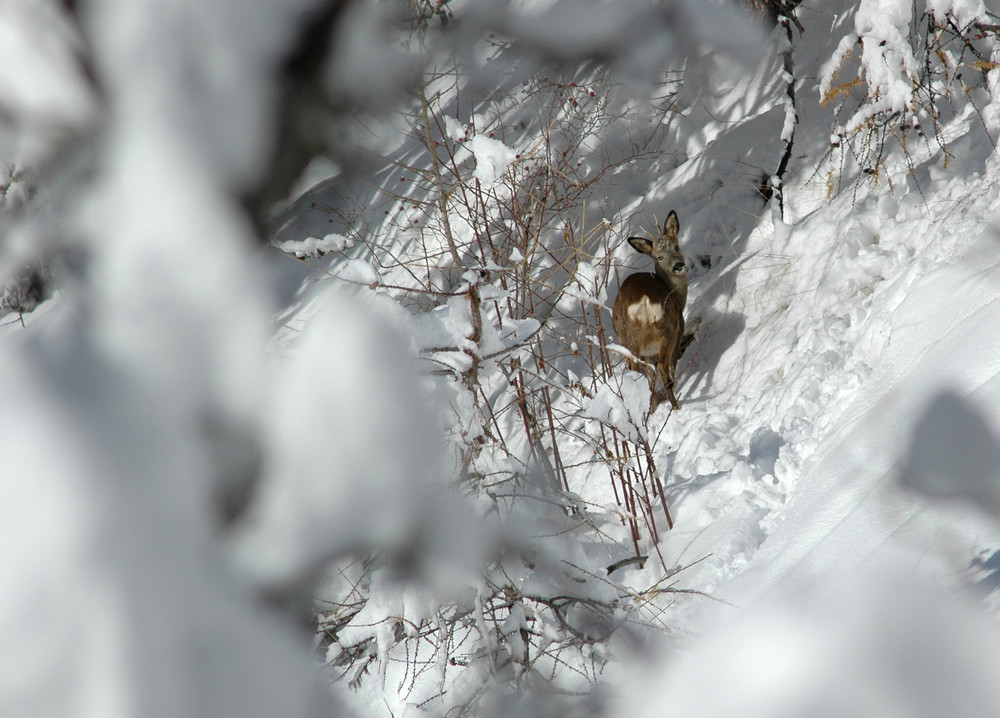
454,129
890,67
893,412
621,406
833,474
315,246
128,402
492,159
325,489
858,656
964,11
39,77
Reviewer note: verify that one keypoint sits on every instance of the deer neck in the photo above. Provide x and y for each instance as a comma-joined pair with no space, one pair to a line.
678,284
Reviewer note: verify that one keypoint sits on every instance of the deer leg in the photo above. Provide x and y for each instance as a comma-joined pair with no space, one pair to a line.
692,327
670,395
667,372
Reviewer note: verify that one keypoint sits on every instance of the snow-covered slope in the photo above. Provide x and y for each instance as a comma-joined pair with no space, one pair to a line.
851,594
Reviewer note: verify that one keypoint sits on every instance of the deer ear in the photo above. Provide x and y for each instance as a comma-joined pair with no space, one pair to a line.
641,244
671,227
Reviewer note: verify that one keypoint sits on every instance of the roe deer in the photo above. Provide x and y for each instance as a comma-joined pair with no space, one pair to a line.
648,315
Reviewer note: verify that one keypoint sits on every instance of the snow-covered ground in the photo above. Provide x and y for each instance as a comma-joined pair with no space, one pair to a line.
833,473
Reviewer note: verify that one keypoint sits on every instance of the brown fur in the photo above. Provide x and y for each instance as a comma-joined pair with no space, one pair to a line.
648,314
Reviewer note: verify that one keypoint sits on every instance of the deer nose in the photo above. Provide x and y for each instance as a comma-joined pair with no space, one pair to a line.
678,267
